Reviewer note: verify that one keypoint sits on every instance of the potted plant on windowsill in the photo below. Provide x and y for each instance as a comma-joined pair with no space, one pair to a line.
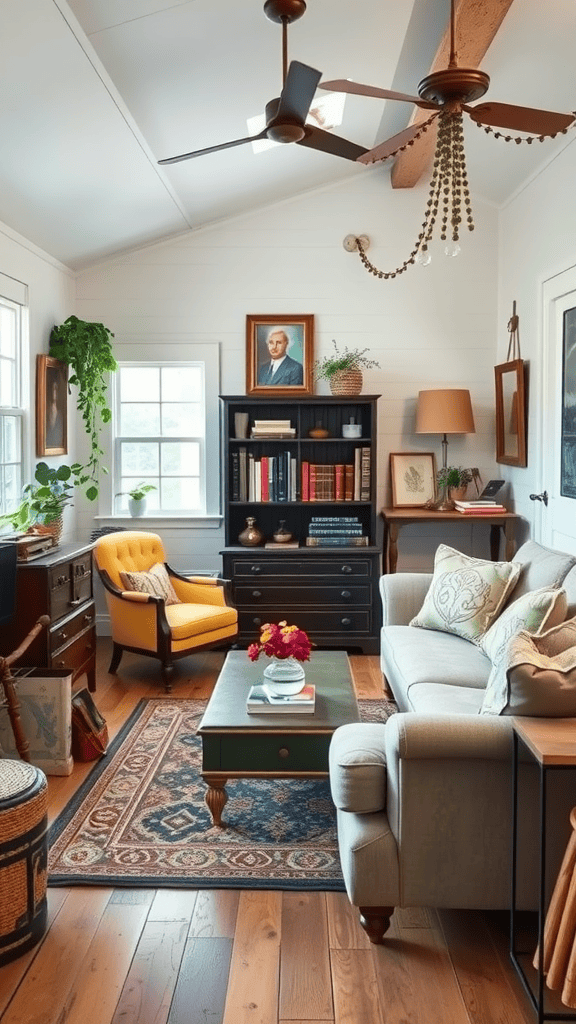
43,502
137,498
343,370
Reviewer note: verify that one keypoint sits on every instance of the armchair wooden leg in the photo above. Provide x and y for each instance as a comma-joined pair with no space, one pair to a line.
117,653
375,922
167,673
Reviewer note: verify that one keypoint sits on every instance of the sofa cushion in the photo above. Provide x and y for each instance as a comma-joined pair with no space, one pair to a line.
540,567
444,699
466,594
536,676
535,612
155,581
411,657
569,585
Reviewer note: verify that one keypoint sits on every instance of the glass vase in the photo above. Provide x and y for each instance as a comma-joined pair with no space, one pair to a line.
284,676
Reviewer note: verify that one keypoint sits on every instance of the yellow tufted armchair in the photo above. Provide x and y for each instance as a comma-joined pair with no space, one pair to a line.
145,623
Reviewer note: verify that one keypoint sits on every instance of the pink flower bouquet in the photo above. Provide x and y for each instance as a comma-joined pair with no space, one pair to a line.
281,641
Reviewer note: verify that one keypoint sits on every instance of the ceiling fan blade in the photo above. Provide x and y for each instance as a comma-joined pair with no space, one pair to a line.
213,149
326,142
520,119
343,85
298,92
385,149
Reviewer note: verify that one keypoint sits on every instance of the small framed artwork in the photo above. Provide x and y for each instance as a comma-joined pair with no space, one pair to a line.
279,355
413,477
51,406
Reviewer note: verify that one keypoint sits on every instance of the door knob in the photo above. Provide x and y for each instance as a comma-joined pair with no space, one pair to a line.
540,497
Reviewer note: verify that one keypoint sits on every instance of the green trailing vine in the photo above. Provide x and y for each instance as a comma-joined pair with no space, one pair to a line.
87,349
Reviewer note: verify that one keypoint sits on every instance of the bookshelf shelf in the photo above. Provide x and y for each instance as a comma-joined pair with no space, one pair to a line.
309,585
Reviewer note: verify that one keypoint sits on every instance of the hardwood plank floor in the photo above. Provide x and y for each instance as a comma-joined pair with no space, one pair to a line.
168,956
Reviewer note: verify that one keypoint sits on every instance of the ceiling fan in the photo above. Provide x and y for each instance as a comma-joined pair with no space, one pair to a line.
286,114
453,89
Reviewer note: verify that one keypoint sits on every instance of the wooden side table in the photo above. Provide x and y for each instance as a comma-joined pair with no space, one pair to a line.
395,518
551,743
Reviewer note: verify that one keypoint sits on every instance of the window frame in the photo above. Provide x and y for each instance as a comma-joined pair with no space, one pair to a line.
180,353
14,295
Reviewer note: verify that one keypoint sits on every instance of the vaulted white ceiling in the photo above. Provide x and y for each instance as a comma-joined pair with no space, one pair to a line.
94,92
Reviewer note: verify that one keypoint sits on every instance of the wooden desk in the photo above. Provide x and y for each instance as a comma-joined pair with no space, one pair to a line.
394,518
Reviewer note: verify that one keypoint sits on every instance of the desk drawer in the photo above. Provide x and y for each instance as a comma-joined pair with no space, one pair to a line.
265,594
290,567
281,752
77,653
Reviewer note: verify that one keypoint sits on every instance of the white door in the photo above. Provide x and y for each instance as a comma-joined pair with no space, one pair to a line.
558,405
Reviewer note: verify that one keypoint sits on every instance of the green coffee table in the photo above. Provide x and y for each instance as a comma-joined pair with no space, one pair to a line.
236,745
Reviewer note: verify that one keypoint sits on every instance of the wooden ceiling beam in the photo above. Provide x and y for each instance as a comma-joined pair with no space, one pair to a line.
477,22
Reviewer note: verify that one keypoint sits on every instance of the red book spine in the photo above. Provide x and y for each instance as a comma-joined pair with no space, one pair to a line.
264,478
312,483
305,482
339,481
348,482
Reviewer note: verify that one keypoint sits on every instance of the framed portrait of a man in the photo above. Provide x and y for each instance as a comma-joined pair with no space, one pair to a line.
51,406
279,355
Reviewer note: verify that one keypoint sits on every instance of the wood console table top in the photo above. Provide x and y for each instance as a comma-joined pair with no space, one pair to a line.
394,518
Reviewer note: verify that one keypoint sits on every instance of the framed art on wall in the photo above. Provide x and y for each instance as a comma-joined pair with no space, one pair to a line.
413,476
279,354
51,406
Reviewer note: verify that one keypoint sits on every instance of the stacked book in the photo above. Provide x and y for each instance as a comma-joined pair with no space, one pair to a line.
262,701
481,507
273,429
335,531
270,478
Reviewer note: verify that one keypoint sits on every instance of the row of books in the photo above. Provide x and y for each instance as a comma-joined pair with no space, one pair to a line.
336,531
276,478
480,507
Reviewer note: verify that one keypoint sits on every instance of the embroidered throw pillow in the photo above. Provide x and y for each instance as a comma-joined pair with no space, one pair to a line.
536,677
534,612
466,594
156,582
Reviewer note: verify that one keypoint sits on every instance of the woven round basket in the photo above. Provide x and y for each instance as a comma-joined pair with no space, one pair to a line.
23,857
346,382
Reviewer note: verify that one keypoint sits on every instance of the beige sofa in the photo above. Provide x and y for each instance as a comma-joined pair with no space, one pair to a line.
424,802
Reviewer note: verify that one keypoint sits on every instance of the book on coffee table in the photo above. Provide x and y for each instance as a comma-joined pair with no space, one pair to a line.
262,701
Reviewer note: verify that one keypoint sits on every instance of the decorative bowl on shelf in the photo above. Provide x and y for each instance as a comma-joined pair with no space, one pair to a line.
318,432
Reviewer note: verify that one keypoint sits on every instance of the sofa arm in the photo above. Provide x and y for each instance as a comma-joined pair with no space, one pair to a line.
358,767
413,736
403,595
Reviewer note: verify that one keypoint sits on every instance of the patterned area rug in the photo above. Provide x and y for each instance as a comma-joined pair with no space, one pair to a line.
140,819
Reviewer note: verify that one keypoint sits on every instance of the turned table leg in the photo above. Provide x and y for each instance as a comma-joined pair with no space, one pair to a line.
392,546
216,797
375,922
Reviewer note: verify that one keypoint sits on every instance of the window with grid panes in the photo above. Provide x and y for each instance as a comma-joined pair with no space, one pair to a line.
160,419
11,407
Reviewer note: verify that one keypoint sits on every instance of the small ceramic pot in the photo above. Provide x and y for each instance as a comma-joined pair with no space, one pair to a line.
252,536
136,507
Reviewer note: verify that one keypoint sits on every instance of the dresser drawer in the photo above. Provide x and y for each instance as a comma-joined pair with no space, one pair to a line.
265,594
67,630
69,585
339,623
77,653
289,567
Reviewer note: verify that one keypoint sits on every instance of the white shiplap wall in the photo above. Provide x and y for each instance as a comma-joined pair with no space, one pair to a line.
432,327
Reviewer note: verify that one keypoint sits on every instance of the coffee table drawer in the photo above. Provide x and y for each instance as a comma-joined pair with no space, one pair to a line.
274,753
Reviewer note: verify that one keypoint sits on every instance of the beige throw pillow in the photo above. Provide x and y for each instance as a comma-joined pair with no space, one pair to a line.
534,612
536,677
466,594
155,581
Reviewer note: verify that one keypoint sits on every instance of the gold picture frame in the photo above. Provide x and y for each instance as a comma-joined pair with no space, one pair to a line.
287,340
51,406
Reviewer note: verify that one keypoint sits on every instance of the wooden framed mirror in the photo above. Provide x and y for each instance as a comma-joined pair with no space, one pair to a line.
511,417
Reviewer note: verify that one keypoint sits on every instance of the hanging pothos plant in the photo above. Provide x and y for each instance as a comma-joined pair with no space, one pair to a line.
86,348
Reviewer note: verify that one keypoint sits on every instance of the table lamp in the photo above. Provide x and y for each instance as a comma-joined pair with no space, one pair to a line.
444,411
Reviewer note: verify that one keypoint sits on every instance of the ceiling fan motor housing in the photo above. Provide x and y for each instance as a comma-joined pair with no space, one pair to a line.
285,130
461,84
291,10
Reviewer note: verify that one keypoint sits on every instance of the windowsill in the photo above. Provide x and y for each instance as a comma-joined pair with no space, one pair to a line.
206,522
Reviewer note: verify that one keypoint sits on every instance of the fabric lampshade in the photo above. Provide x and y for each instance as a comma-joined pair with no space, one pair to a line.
445,411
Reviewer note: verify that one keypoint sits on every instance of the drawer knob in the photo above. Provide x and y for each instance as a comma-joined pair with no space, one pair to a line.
257,621
346,568
346,595
255,568
61,664
346,622
63,636
256,593
87,618
283,752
